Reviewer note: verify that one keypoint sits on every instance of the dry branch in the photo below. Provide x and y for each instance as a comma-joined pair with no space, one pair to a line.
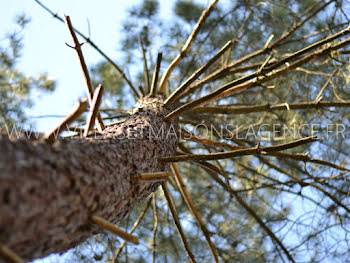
186,196
9,255
197,74
270,107
150,177
89,89
302,183
172,209
153,90
114,229
192,137
307,159
94,109
236,153
93,45
64,125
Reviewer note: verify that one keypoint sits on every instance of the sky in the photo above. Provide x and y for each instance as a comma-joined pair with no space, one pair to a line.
45,49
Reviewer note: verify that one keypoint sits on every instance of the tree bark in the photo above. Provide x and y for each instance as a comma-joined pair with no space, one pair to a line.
48,193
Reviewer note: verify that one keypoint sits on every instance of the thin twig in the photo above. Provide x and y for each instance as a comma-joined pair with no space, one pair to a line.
153,90
89,89
93,113
187,45
155,226
319,95
307,159
64,125
180,183
114,229
147,87
9,255
150,177
172,209
136,224
235,153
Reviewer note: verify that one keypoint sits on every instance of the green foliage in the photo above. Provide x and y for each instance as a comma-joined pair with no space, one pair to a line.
189,11
148,9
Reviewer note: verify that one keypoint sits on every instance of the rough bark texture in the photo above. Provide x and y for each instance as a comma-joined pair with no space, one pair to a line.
47,193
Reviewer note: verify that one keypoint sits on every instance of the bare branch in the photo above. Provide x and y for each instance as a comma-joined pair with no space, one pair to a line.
87,39
89,89
9,255
150,177
302,183
307,159
236,153
94,109
153,90
172,209
192,137
64,125
270,107
186,196
197,74
319,95
114,229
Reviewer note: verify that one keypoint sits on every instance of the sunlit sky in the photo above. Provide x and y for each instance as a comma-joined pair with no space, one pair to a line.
45,49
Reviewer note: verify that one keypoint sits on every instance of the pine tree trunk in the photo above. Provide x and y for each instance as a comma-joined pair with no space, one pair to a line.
48,193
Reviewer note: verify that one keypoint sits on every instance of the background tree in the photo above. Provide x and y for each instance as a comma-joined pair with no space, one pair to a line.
15,87
282,69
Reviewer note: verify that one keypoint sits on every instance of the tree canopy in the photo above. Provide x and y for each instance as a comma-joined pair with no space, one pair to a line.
249,181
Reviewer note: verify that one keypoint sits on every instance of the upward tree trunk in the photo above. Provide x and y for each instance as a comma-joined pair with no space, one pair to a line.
48,193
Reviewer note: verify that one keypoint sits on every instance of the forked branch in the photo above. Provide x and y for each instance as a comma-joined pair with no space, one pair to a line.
89,89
